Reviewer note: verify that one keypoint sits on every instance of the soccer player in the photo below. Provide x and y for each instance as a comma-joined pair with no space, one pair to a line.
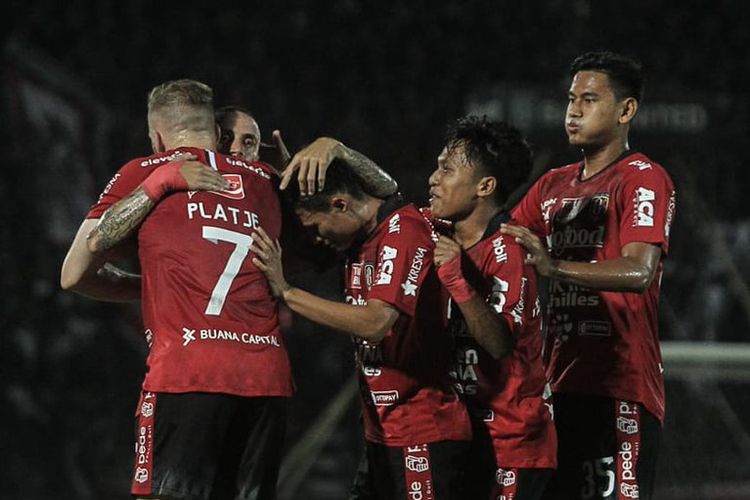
606,222
493,310
240,137
416,428
212,409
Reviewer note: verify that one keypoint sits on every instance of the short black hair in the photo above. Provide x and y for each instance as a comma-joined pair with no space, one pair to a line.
226,116
340,179
496,148
625,73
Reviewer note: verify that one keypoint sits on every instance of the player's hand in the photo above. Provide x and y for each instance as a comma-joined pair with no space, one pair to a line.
200,177
537,254
446,250
276,154
310,165
268,260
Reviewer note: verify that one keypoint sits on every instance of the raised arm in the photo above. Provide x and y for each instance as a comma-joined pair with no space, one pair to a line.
122,218
309,166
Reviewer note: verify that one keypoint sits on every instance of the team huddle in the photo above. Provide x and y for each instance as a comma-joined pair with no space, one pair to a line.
471,386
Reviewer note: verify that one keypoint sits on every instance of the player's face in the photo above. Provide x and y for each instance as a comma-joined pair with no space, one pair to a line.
334,229
453,185
593,110
242,139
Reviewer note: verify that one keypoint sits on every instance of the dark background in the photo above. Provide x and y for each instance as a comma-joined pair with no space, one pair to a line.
384,77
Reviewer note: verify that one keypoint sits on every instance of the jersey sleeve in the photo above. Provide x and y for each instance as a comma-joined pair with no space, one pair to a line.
119,186
507,283
404,260
647,205
528,212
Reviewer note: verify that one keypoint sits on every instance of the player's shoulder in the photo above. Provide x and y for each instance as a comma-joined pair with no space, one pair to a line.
407,222
156,159
639,166
556,174
256,168
501,248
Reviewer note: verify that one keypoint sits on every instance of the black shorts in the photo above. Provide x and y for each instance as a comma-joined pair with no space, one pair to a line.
208,446
488,479
433,471
607,449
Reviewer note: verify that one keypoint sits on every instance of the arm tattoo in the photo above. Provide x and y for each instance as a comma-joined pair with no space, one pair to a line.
376,181
119,221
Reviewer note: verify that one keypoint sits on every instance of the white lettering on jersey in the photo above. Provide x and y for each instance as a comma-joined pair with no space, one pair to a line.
386,266
645,207
236,216
642,165
410,285
498,246
393,224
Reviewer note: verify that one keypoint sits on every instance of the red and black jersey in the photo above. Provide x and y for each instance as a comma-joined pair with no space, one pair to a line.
208,312
603,343
406,390
511,394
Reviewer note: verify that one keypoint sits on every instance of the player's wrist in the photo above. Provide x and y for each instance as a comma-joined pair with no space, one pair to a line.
453,280
164,180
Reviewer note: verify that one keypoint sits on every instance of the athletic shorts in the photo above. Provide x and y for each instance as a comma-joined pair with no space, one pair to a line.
489,479
433,471
208,446
607,449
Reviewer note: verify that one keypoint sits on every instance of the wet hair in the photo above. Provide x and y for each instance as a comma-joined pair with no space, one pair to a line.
496,148
625,74
340,179
183,104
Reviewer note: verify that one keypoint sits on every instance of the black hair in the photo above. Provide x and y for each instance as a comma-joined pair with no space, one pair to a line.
340,179
625,73
227,115
496,148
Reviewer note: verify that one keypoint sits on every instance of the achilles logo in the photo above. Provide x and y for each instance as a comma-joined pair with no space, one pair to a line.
188,335
386,266
645,208
149,337
417,464
384,398
235,191
147,409
393,224
629,490
141,475
505,477
627,425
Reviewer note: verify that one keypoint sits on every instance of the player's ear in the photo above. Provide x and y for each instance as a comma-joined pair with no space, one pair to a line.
157,142
628,110
486,186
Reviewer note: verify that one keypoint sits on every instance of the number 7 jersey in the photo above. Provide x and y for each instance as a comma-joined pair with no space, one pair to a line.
208,313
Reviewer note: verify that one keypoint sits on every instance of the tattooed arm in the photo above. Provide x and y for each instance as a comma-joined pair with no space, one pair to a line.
309,166
93,275
122,218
